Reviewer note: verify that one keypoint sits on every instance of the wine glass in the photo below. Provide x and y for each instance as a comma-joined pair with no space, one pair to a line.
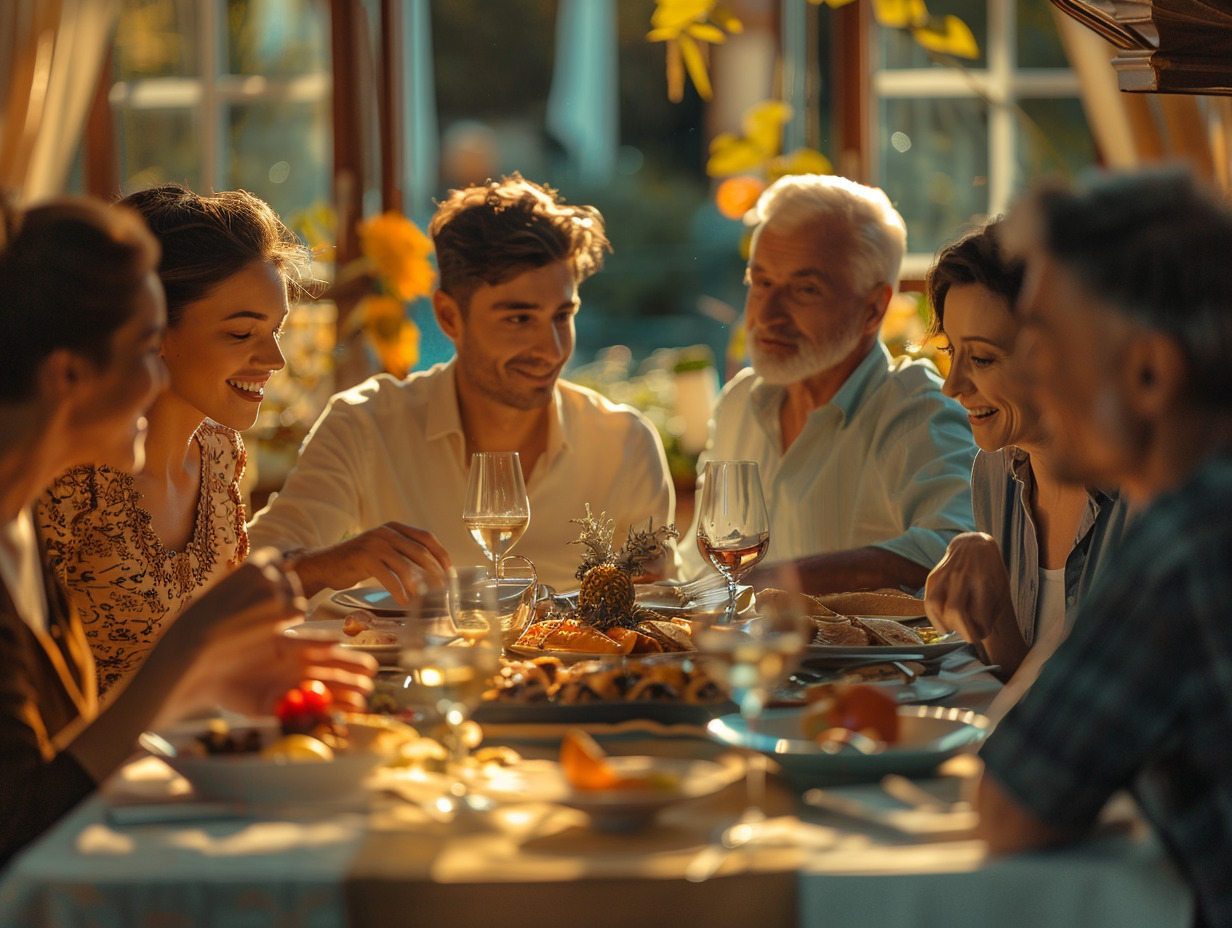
733,530
749,660
452,662
497,510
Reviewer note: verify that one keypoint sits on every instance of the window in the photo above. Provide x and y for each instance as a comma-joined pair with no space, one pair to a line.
221,94
955,144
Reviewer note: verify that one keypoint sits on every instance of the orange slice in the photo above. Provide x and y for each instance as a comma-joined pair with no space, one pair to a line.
586,767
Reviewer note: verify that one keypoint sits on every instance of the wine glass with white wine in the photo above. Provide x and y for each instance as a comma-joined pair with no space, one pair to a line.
497,509
733,530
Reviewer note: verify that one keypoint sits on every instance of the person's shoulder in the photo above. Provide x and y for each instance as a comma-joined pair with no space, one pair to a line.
591,406
384,391
913,377
739,387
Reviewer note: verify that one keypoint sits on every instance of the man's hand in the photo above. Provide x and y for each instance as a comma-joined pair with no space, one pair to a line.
402,558
969,592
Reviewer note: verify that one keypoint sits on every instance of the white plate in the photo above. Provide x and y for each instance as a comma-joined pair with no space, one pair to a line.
429,603
378,601
252,778
887,652
331,630
615,810
924,689
929,734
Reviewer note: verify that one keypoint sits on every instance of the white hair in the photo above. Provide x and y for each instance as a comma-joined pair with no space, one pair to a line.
879,236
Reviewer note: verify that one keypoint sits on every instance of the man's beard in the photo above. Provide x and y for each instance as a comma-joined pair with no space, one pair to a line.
808,360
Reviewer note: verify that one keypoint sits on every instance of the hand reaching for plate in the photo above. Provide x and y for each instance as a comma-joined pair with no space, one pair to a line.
400,557
969,592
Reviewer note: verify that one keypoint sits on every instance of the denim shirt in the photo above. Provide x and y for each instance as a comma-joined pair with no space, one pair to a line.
1001,487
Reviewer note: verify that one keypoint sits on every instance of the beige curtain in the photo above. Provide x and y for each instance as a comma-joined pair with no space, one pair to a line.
51,53
1133,129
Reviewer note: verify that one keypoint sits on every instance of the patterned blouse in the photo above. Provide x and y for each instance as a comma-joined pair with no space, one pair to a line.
124,583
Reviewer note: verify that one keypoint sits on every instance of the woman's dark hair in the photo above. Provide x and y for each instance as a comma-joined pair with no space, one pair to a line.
491,233
975,258
70,271
207,239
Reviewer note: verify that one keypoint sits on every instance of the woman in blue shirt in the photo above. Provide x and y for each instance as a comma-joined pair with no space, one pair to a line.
1013,586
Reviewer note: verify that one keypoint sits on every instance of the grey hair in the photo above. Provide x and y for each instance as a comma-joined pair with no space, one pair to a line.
1155,246
879,236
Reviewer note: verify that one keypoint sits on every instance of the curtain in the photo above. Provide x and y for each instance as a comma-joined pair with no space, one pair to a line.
51,54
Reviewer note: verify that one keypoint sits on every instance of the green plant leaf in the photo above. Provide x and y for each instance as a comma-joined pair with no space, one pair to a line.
951,37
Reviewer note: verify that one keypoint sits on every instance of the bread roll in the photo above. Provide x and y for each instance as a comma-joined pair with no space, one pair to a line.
873,602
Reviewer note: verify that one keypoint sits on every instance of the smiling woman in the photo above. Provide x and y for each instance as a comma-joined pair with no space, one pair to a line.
144,545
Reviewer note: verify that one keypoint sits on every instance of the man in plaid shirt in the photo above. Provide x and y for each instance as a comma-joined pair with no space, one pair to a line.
1128,313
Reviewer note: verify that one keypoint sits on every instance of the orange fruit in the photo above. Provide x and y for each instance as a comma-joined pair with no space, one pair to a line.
859,707
586,766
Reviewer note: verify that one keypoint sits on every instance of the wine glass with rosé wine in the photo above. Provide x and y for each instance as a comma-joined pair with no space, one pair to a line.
733,530
497,509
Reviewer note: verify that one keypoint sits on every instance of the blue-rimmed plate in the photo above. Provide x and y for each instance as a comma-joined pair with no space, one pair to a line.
928,735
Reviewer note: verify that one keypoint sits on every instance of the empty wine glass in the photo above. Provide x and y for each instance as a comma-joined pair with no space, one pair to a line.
452,662
733,530
497,509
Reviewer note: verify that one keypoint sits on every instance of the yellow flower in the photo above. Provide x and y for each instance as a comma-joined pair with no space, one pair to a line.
399,255
395,338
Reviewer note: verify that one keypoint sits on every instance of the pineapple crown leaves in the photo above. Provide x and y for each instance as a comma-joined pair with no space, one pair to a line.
642,547
639,548
597,537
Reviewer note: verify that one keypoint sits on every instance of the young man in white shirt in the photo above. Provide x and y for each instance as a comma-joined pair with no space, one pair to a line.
864,464
387,462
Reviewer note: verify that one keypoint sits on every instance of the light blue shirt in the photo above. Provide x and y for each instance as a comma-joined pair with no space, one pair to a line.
1001,487
887,462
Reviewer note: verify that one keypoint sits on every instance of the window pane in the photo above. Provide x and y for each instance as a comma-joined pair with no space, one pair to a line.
900,50
277,38
934,165
158,146
1039,45
1053,138
281,152
155,38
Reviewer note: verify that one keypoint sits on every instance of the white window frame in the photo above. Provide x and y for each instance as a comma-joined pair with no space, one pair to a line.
1002,83
212,92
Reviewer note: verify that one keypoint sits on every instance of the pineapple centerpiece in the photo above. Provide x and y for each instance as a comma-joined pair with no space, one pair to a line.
606,597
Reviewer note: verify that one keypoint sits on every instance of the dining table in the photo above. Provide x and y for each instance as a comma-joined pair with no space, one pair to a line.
143,851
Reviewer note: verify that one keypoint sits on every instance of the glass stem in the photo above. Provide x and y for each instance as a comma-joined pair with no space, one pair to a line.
731,599
755,770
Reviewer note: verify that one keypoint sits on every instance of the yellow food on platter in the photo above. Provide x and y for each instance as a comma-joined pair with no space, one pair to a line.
298,749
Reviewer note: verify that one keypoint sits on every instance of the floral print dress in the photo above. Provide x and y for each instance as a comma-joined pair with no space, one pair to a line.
125,585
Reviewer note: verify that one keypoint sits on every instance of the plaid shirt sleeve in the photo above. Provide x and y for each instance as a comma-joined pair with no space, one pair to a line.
1129,690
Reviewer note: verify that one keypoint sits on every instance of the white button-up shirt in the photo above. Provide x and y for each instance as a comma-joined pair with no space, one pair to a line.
887,462
394,450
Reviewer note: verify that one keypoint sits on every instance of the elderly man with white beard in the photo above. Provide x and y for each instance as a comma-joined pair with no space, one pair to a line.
864,464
